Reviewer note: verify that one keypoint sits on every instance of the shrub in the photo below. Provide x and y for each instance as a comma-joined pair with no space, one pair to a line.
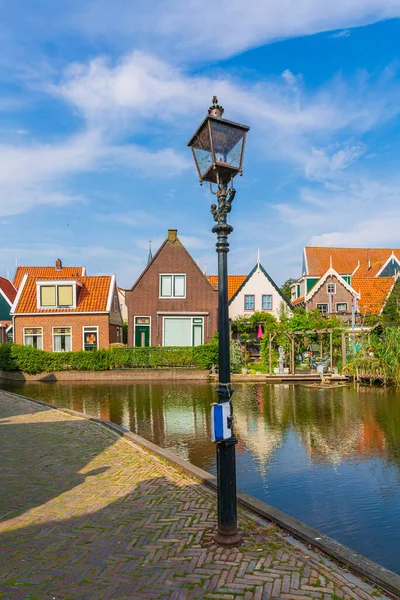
31,360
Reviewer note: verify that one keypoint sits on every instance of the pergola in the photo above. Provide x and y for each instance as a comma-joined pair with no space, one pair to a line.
292,337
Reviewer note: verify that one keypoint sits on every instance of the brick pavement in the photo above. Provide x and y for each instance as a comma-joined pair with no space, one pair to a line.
86,515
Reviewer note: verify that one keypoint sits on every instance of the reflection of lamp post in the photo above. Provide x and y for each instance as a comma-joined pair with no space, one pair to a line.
218,147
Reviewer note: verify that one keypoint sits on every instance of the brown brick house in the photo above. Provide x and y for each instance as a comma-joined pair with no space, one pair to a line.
63,310
172,303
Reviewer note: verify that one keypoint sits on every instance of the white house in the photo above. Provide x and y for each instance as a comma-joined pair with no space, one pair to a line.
256,292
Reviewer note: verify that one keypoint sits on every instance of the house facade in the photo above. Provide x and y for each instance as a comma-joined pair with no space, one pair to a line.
7,297
172,303
254,292
346,281
60,313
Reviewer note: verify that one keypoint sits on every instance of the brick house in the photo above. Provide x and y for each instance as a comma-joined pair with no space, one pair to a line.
172,303
59,309
7,297
340,281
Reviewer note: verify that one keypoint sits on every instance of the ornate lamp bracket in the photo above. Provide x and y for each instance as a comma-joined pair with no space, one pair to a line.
219,211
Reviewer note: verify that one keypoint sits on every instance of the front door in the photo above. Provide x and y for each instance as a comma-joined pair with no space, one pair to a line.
142,331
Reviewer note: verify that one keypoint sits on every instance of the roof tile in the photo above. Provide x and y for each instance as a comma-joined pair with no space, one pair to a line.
92,295
7,287
234,283
373,293
346,260
42,272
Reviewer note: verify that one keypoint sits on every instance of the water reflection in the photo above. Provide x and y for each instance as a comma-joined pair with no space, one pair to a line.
329,457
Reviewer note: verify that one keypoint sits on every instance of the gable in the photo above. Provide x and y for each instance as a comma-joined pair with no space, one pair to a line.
391,268
261,271
4,309
172,258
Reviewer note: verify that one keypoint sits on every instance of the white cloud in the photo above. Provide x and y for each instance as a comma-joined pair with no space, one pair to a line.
186,29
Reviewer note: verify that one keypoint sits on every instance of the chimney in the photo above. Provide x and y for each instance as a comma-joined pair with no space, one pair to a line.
172,235
58,264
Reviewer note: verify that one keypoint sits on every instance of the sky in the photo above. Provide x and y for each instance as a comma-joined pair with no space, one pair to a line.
98,100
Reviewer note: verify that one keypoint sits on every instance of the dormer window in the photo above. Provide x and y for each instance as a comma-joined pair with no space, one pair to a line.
56,295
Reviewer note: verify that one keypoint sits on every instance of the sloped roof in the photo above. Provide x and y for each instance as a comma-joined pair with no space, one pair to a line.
49,272
297,301
374,293
8,289
92,295
345,260
234,283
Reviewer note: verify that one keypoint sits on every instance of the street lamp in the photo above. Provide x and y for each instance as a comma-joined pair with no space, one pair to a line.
218,147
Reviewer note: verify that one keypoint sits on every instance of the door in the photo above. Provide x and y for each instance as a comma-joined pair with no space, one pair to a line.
142,331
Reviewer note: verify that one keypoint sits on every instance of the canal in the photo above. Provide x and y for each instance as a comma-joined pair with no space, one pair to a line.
330,458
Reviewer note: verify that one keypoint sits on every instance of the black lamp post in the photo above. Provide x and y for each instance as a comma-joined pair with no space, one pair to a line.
218,147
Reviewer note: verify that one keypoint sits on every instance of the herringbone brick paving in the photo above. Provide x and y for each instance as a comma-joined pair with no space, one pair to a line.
86,515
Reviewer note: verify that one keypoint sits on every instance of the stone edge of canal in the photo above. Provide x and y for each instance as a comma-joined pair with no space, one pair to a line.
362,566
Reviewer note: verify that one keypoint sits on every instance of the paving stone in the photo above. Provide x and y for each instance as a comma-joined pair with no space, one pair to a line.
87,515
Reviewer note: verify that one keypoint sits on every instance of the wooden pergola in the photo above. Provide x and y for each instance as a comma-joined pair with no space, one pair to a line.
292,336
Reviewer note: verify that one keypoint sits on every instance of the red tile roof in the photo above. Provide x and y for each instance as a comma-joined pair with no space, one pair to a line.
345,260
49,272
92,295
234,283
374,293
8,289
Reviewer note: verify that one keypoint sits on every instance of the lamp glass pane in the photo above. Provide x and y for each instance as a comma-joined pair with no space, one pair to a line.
228,143
202,149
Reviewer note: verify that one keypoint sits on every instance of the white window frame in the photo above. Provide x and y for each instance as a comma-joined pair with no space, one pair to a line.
139,324
244,302
323,304
191,328
342,311
334,288
52,336
272,301
172,275
56,284
83,335
38,334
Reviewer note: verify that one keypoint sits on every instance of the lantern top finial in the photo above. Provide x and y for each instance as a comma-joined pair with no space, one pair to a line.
215,110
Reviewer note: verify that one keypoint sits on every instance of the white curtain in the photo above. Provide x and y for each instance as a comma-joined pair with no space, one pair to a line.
177,332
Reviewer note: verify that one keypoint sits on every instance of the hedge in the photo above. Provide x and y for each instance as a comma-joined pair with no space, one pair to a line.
31,360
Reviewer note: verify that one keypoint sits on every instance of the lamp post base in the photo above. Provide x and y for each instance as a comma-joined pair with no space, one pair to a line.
228,541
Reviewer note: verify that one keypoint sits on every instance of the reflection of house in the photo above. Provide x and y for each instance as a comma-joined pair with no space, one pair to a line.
341,280
7,297
172,303
256,292
59,309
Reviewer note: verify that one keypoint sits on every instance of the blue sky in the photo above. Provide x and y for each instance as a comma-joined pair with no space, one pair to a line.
98,100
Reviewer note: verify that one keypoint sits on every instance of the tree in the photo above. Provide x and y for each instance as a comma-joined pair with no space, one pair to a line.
285,288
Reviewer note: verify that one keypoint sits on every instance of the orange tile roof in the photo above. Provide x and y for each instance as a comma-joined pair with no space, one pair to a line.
345,260
92,295
297,301
42,272
7,287
234,283
373,293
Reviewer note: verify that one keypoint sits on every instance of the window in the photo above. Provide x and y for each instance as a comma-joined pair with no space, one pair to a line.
173,286
90,338
341,307
33,336
62,339
56,296
331,288
249,302
183,331
266,302
115,304
323,308
48,295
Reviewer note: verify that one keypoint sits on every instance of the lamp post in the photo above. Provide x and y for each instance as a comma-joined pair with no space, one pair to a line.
218,147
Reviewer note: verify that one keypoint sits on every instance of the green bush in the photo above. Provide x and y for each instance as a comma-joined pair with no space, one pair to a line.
31,360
